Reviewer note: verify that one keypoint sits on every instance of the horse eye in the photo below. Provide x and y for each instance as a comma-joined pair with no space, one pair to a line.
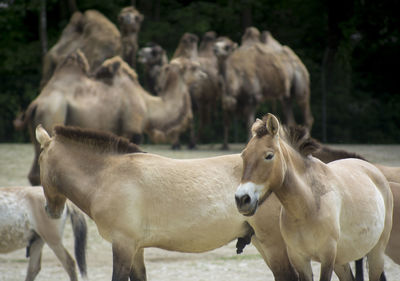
269,156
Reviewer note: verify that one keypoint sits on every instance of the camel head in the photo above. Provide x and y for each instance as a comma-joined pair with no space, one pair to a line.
251,36
187,46
223,47
152,54
208,39
130,20
189,71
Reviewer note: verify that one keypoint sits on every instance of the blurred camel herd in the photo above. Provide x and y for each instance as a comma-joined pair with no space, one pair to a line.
89,80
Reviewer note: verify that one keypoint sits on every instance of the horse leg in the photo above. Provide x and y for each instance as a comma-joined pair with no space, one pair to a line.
359,270
35,258
277,260
66,260
302,265
34,173
138,270
344,272
122,261
376,264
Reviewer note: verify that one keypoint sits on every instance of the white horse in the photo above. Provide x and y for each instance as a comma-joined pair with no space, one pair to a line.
24,223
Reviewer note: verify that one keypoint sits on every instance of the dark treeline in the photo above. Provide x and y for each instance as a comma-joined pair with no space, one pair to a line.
350,48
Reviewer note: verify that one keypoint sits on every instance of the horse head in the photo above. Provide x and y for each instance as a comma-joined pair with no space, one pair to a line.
264,165
55,201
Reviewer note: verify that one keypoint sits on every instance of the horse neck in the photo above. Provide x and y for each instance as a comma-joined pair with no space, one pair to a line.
78,184
295,193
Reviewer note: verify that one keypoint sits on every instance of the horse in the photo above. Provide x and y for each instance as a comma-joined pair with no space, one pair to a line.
24,223
331,213
392,174
139,200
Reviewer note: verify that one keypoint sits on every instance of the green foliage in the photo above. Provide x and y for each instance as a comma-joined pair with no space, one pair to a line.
363,100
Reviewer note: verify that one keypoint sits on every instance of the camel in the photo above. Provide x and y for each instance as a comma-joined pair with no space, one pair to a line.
130,20
97,37
332,213
299,79
204,93
112,100
187,47
254,73
153,57
92,33
250,75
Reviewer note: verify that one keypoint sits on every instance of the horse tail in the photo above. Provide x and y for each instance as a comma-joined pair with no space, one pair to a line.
79,228
24,116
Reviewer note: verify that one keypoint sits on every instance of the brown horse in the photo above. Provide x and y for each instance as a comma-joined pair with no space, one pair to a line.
24,223
140,200
331,213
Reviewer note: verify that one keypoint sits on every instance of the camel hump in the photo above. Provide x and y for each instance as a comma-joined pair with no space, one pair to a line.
113,66
251,35
76,59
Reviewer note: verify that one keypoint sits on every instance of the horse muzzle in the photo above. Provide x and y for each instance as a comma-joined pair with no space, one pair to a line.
53,214
246,198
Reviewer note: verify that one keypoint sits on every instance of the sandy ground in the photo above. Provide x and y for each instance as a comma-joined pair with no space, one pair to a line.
220,264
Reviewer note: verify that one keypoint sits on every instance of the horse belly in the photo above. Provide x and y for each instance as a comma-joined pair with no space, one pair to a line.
361,227
15,226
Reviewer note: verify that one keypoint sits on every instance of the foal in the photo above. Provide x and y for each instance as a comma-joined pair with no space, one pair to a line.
333,213
24,223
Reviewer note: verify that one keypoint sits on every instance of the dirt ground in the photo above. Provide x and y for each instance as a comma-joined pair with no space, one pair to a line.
220,264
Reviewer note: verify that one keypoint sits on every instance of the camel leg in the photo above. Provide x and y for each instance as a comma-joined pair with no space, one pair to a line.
66,260
250,116
35,258
227,124
302,265
277,260
308,119
344,272
288,111
138,270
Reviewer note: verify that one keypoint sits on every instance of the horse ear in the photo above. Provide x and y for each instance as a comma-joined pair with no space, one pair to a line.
256,125
42,136
272,124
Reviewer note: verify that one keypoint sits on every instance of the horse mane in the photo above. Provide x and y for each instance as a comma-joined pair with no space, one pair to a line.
297,136
327,154
101,141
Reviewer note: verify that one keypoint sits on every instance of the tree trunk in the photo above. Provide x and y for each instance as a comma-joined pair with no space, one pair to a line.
247,19
43,27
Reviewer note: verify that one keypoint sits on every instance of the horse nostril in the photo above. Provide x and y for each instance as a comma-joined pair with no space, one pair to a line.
242,200
245,200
